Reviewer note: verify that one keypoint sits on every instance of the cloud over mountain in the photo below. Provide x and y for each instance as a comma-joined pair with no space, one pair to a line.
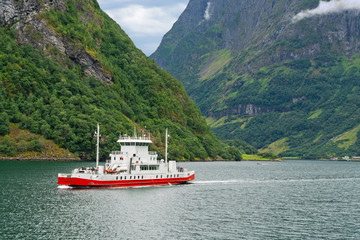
324,8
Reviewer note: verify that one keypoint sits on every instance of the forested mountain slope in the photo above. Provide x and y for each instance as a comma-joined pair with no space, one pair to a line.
65,66
282,75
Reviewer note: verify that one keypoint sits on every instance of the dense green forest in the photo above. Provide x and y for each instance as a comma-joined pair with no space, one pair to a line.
48,94
315,108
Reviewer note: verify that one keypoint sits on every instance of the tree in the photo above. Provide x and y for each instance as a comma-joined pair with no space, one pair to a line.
35,145
4,124
8,147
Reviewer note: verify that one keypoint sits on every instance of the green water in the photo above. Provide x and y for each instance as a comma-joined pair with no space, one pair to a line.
230,200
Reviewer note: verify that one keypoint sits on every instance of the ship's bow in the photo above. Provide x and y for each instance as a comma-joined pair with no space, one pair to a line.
64,179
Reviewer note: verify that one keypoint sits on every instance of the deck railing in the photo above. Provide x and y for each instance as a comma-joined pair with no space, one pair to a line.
116,152
133,138
153,153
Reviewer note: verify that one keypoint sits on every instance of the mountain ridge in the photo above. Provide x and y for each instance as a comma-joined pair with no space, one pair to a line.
250,66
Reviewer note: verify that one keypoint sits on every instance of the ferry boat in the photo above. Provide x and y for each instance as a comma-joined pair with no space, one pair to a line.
132,166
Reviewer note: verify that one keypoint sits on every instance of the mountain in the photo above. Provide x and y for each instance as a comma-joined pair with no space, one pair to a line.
66,66
281,75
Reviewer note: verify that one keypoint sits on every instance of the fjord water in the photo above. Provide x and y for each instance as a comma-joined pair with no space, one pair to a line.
228,200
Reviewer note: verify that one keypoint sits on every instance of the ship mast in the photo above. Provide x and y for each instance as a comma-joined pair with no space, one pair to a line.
97,145
166,145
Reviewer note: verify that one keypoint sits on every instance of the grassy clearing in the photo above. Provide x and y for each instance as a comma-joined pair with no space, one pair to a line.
212,122
249,157
347,139
317,138
315,114
277,147
217,62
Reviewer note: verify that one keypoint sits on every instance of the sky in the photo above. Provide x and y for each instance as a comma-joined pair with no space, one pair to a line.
145,21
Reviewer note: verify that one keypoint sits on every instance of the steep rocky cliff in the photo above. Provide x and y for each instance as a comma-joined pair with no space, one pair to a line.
28,19
233,54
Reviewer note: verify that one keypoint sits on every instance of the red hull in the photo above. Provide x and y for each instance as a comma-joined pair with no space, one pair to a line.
80,182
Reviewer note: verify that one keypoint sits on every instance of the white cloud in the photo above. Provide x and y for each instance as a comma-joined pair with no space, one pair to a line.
145,21
333,6
139,20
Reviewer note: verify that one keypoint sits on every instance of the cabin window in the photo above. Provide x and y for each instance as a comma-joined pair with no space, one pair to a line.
142,177
154,167
117,178
130,177
156,176
125,177
120,178
144,167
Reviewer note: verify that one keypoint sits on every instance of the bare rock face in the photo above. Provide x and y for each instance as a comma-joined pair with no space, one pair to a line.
25,17
241,110
8,12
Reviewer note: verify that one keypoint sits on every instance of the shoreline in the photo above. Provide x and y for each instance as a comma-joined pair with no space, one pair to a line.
82,160
206,160
40,159
243,160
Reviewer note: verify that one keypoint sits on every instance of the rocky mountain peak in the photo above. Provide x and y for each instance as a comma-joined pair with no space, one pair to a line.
12,11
